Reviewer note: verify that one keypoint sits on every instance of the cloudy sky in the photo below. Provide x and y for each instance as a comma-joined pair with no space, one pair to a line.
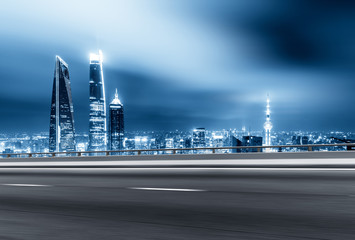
185,63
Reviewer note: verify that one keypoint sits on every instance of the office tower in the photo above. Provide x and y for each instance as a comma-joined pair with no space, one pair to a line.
141,142
300,140
304,140
188,143
130,144
97,119
160,141
234,142
267,124
61,129
169,142
116,124
199,137
217,139
250,141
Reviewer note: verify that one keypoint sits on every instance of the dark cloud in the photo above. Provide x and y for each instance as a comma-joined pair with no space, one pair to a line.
153,103
301,51
298,32
23,115
309,33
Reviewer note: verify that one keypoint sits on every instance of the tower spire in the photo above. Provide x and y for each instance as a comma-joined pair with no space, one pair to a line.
116,100
267,124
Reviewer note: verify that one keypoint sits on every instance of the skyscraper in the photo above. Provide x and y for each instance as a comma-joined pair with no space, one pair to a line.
267,124
250,141
199,137
61,129
116,124
97,119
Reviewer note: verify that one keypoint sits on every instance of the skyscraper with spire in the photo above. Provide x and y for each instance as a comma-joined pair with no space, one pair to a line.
61,129
97,118
267,124
116,124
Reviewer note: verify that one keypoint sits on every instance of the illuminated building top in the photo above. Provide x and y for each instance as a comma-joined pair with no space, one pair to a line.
96,58
116,100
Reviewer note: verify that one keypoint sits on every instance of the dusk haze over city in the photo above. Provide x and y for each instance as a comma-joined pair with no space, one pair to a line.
177,119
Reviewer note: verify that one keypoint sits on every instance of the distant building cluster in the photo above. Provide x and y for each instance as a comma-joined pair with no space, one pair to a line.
32,143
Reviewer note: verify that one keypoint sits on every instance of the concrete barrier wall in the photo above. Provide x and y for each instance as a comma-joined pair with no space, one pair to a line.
187,157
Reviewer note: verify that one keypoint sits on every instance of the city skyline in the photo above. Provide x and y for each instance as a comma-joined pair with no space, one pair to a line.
203,64
177,119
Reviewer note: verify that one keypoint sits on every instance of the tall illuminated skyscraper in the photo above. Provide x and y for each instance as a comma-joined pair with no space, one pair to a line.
61,129
116,124
97,119
267,124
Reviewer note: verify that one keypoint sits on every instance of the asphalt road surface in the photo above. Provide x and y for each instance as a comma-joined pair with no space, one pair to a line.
177,204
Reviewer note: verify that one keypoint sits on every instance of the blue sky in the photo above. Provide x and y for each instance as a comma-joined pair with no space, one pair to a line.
185,63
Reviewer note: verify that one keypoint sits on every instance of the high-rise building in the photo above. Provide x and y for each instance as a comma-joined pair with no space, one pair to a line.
199,137
300,140
61,129
116,124
217,139
250,141
267,124
97,119
234,142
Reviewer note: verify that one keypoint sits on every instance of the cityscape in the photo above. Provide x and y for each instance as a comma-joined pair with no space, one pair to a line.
177,120
39,143
226,79
107,132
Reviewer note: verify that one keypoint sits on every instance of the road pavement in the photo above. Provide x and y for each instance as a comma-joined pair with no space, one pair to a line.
177,203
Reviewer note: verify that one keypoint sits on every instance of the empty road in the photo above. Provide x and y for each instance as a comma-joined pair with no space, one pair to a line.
177,203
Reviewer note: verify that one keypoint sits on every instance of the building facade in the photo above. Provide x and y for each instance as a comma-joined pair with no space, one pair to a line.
233,142
199,137
97,117
116,124
61,129
248,141
300,140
